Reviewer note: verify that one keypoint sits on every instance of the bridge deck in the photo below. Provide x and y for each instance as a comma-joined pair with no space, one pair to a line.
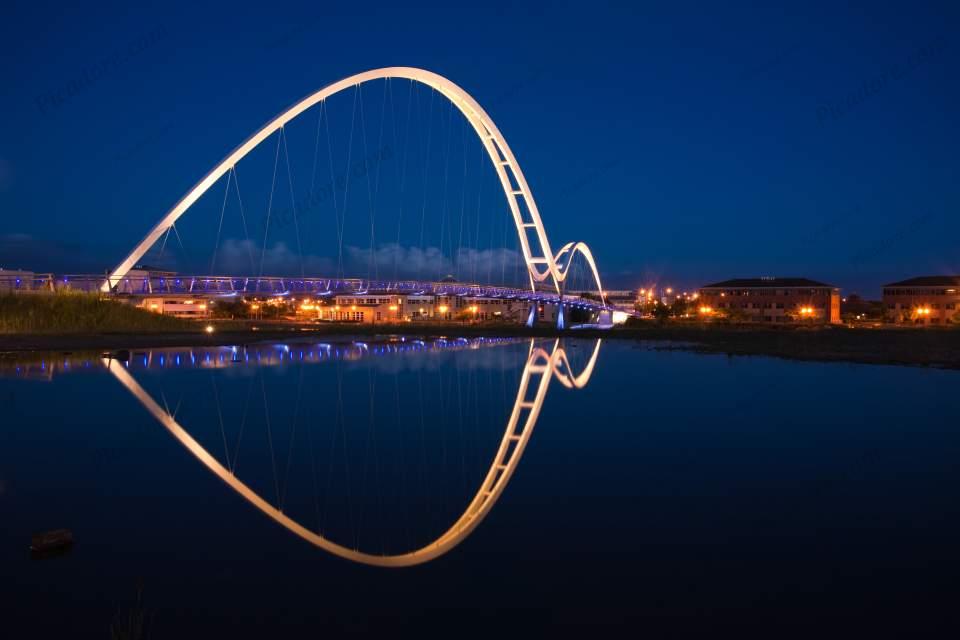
135,285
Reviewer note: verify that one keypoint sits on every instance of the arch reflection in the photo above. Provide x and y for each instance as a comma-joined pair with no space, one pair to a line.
541,367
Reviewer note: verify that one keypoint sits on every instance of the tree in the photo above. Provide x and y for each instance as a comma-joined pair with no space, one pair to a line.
732,314
661,312
229,309
678,308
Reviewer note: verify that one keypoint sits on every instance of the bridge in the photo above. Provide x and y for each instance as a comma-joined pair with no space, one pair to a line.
546,278
229,286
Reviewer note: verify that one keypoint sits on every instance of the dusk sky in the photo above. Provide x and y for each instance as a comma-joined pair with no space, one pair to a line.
685,144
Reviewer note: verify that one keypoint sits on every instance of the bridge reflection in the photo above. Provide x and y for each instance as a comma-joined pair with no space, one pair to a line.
45,365
544,363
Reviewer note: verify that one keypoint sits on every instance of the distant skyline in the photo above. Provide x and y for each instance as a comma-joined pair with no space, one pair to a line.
684,144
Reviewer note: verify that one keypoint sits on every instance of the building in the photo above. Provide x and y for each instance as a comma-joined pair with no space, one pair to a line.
771,300
373,308
17,280
623,299
927,300
180,306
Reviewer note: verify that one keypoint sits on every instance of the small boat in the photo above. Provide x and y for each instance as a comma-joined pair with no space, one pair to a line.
51,541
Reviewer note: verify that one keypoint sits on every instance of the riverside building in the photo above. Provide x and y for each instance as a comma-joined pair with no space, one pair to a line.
926,300
776,300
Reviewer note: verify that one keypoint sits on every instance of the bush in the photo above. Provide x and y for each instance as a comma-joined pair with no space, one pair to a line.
74,312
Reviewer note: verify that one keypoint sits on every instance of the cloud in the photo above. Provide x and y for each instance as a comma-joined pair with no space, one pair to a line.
242,256
431,262
245,256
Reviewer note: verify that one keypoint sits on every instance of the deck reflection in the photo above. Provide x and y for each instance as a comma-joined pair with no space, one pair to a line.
47,365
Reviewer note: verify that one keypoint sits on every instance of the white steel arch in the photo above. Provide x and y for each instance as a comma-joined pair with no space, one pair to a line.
541,265
526,410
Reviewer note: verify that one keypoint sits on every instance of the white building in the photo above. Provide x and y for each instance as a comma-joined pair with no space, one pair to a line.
17,280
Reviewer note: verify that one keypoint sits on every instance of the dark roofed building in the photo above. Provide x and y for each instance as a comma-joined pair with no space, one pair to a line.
927,281
768,282
925,300
772,300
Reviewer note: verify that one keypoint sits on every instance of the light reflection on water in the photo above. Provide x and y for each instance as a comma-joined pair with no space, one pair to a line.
653,472
541,366
238,378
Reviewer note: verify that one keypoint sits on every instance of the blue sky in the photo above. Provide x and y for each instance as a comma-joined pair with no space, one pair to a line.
684,142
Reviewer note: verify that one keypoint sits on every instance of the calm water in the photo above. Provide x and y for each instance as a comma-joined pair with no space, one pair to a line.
255,491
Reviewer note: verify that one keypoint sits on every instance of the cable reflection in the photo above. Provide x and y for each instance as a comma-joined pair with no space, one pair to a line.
541,367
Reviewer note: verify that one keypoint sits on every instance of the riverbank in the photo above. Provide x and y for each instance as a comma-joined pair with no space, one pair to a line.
893,346
69,312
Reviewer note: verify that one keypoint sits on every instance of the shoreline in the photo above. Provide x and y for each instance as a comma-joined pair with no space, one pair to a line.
938,348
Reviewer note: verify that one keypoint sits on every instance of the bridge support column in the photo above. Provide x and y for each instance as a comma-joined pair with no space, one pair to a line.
532,316
561,319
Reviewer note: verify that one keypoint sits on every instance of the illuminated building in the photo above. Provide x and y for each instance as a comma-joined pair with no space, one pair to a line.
770,299
16,280
180,306
926,300
382,307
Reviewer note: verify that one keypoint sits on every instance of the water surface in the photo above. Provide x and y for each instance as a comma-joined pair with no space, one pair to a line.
368,487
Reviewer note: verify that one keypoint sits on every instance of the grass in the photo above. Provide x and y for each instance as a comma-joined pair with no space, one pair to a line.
75,321
73,312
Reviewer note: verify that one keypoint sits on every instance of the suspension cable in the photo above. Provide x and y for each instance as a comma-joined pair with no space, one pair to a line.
273,184
243,219
293,201
223,209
